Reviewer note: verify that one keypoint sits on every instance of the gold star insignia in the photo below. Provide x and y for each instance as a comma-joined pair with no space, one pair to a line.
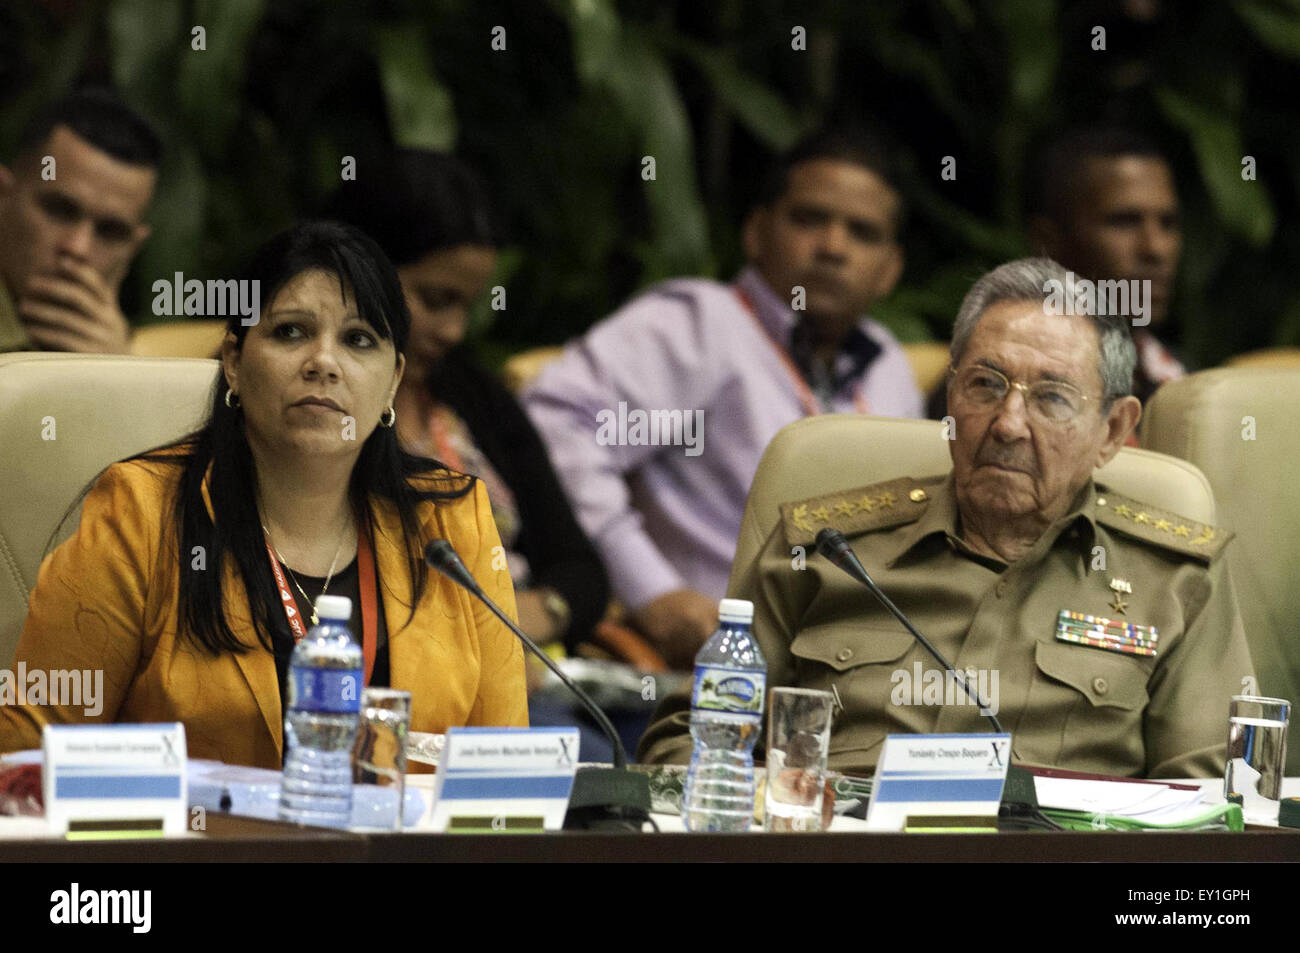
1162,524
1119,605
800,518
1123,510
1142,518
866,504
1181,530
845,508
886,499
1207,534
822,514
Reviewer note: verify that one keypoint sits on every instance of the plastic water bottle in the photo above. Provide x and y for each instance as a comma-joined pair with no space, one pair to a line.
726,717
320,722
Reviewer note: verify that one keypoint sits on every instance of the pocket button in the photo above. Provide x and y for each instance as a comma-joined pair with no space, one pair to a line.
1100,685
844,655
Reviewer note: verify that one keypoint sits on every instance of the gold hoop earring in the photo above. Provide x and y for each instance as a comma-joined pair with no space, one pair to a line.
232,399
391,414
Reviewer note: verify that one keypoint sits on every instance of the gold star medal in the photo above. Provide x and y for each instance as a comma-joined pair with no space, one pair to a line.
1120,587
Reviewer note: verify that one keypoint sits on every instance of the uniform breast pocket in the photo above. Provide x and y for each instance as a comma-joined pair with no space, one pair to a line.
1088,707
859,664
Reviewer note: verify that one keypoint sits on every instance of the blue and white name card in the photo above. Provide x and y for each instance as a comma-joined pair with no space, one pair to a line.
107,780
921,779
504,779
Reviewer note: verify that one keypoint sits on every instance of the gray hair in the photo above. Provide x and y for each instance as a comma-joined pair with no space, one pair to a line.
1026,279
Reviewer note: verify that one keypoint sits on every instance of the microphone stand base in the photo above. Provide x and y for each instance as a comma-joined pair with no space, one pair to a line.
608,799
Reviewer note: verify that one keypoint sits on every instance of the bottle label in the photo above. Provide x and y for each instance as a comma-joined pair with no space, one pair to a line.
728,689
335,691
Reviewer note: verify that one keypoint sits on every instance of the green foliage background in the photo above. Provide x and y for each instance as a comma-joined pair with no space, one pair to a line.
257,123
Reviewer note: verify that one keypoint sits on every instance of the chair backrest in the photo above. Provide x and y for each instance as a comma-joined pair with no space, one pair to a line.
520,370
929,361
1239,426
195,338
1268,357
821,455
63,419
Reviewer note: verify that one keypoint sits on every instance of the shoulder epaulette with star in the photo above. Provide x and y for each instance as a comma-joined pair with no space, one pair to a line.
1161,527
878,506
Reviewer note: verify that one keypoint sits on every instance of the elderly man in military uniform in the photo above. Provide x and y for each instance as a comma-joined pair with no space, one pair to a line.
1106,626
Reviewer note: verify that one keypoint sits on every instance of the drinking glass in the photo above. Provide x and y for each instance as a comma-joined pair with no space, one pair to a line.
798,739
1256,754
379,758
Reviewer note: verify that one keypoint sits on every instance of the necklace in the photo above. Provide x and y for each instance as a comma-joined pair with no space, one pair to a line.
328,577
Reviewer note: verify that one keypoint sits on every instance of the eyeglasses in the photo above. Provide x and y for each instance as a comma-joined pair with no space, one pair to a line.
1053,401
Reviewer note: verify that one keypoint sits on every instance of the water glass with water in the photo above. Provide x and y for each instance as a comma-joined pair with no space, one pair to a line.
1257,754
798,739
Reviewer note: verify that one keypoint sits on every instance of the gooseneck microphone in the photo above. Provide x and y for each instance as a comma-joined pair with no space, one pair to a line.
832,544
1019,808
601,797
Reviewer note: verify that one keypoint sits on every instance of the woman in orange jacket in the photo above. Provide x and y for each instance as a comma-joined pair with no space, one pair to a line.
195,567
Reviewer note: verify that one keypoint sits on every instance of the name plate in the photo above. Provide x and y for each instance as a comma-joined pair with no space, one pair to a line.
115,780
504,780
939,782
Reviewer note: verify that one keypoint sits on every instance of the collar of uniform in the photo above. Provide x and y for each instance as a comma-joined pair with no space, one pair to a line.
942,517
13,336
1079,524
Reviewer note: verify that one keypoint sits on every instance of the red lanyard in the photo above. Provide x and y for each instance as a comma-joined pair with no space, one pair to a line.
369,601
442,441
810,405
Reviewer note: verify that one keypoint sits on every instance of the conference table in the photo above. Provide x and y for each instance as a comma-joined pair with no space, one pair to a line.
228,838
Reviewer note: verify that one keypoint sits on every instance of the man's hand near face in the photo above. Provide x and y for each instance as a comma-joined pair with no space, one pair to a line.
75,309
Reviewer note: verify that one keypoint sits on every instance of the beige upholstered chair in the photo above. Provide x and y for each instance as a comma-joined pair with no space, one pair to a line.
63,418
1239,426
929,360
518,371
820,455
199,338
1269,357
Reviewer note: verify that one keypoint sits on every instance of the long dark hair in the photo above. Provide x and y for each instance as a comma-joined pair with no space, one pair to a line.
382,469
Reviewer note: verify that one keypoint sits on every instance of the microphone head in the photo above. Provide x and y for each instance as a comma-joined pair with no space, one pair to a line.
442,556
440,553
831,543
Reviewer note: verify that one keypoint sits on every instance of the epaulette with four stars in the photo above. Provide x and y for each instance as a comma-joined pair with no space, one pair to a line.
878,506
1161,527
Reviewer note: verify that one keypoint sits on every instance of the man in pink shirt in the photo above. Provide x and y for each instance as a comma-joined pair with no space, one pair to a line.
657,417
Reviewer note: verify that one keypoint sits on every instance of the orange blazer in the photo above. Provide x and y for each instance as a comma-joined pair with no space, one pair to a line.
106,599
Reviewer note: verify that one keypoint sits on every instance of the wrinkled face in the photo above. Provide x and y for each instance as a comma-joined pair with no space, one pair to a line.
439,289
831,233
92,211
312,376
1008,462
1124,224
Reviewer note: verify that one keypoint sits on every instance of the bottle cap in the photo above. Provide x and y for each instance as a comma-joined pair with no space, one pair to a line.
338,608
736,610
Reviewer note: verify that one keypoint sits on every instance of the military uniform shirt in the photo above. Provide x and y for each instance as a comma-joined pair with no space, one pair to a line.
1066,704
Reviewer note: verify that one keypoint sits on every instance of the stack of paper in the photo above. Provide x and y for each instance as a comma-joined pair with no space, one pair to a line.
1137,800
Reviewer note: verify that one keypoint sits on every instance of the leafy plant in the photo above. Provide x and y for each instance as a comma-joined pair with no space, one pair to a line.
562,119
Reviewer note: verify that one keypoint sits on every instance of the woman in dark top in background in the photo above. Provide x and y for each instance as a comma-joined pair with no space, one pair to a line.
431,216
